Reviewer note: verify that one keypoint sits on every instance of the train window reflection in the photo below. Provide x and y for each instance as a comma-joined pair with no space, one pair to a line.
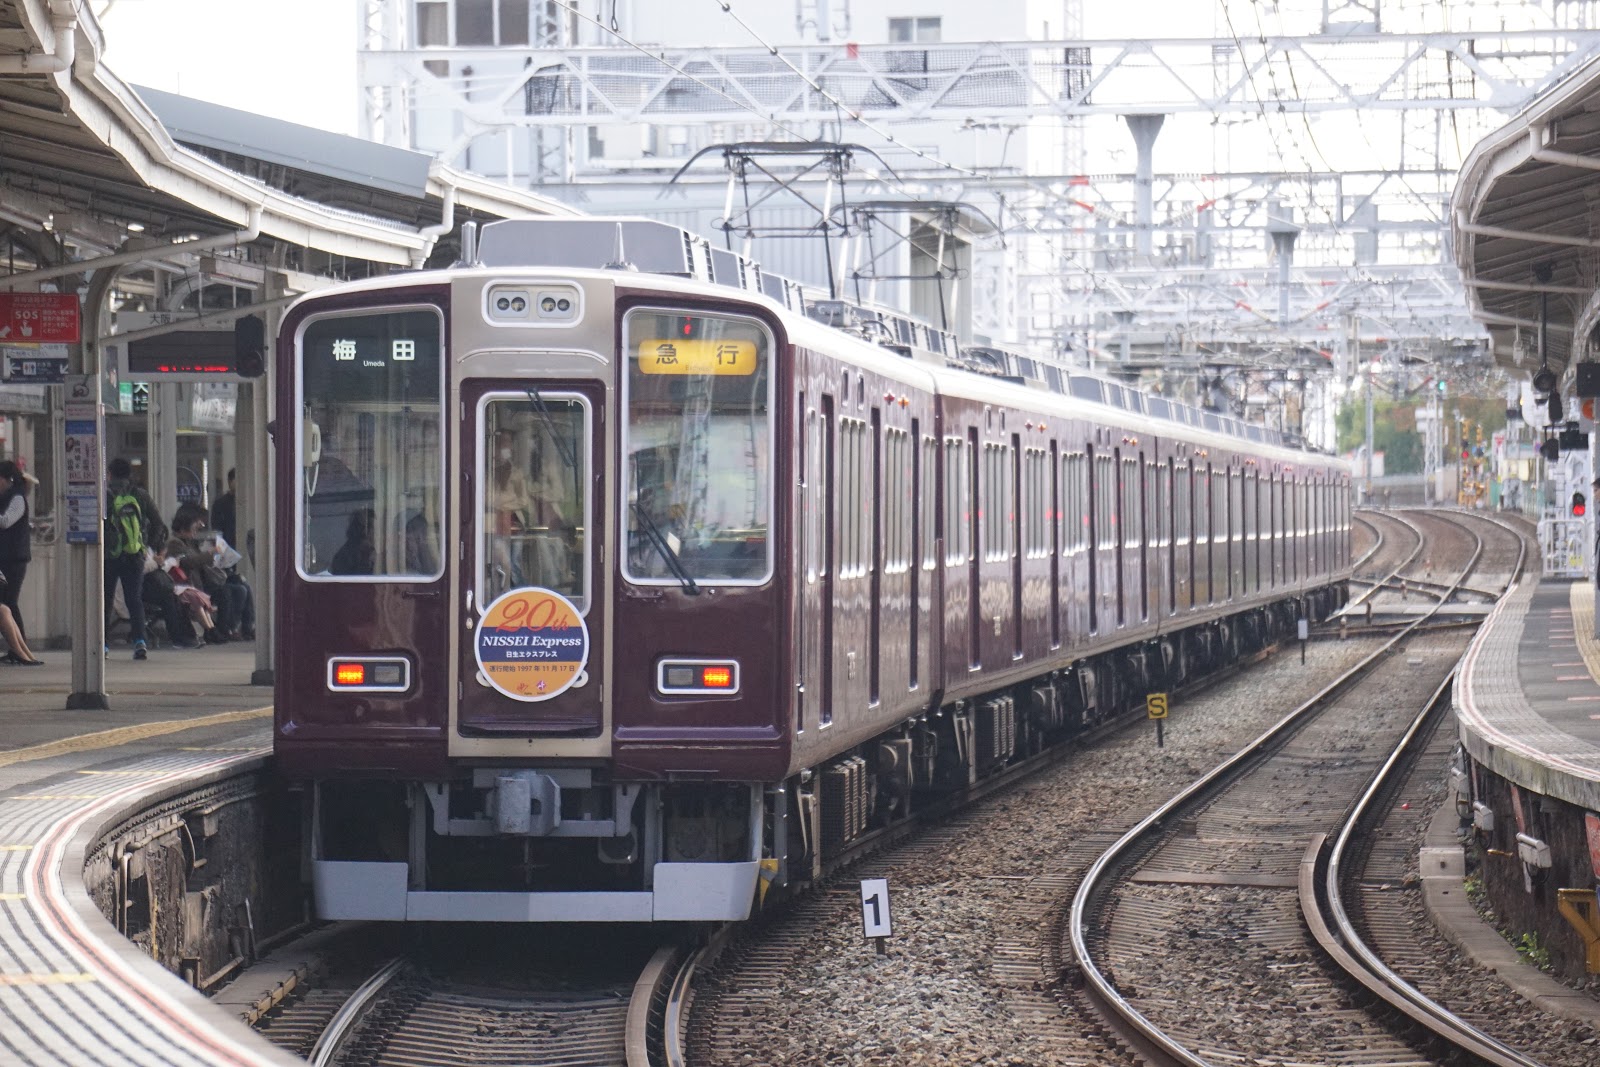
697,438
371,459
535,506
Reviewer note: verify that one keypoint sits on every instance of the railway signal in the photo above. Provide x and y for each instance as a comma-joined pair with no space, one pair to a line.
1580,505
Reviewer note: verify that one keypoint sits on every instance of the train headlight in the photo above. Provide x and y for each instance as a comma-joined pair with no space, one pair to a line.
690,677
546,304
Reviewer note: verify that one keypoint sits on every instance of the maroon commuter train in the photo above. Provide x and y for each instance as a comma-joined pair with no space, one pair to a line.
615,582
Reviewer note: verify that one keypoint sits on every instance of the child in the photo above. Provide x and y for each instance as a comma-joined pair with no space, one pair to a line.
194,599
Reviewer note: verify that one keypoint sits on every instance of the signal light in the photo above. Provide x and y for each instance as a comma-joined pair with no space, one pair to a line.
716,677
350,673
1580,505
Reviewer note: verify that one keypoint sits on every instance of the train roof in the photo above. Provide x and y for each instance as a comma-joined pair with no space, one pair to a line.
648,253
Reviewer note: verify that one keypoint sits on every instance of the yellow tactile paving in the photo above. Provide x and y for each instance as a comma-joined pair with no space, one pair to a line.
54,978
1581,596
123,735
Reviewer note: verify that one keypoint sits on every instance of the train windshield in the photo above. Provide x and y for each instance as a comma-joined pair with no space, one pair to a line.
697,440
371,456
535,506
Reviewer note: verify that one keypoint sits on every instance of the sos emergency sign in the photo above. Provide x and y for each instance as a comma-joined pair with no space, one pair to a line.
39,318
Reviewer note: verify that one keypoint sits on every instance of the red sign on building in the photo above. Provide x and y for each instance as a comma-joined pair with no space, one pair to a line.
39,318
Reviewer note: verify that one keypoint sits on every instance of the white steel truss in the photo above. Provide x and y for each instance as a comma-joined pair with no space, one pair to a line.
1121,265
988,81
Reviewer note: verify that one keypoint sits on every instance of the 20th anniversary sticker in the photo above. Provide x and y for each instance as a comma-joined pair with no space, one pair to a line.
532,644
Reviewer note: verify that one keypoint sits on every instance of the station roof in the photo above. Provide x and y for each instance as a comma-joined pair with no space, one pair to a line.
81,146
1526,222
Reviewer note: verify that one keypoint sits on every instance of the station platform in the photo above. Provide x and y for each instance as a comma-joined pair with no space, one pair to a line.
1527,698
73,991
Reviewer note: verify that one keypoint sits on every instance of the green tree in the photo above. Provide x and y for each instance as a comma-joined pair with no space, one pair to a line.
1394,427
1394,432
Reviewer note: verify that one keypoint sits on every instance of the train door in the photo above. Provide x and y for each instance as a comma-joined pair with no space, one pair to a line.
1169,494
829,562
1055,546
875,506
975,556
1147,535
1092,503
531,521
1123,519
1019,501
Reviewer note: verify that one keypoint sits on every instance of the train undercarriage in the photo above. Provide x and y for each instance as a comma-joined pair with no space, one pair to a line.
563,844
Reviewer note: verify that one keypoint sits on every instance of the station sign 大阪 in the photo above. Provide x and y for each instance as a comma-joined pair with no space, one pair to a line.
185,354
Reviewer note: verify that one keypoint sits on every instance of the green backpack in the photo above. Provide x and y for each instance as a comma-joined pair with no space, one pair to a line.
125,526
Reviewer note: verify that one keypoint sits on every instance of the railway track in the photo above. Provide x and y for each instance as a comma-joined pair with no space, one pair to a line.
444,1010
1203,895
748,986
480,998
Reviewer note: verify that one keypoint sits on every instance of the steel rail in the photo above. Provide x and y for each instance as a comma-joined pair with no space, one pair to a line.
1152,1041
1342,941
1357,601
1322,905
344,1021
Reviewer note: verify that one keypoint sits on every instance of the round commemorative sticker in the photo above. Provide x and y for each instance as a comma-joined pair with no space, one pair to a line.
532,644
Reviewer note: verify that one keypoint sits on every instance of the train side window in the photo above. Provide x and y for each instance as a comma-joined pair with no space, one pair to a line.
811,494
896,501
927,502
1130,504
1036,503
955,501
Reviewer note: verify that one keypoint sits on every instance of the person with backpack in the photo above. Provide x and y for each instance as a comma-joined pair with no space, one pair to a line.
132,524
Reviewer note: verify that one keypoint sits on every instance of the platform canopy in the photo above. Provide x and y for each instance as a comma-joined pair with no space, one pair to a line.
1526,224
83,155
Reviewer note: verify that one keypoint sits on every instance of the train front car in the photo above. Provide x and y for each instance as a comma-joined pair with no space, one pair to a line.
530,611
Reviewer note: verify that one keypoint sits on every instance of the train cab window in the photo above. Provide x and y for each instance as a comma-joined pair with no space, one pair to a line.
533,500
697,442
369,500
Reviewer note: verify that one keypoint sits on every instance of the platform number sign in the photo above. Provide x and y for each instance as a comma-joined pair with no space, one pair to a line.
875,922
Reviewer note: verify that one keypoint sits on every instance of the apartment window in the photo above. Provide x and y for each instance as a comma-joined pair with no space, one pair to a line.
914,30
433,25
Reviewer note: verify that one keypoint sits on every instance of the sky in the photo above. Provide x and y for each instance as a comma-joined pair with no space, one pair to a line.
288,59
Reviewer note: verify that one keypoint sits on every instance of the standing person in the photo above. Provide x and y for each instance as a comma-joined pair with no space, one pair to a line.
132,523
16,541
224,513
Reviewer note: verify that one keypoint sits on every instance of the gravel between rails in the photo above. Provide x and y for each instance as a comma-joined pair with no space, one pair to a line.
970,910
